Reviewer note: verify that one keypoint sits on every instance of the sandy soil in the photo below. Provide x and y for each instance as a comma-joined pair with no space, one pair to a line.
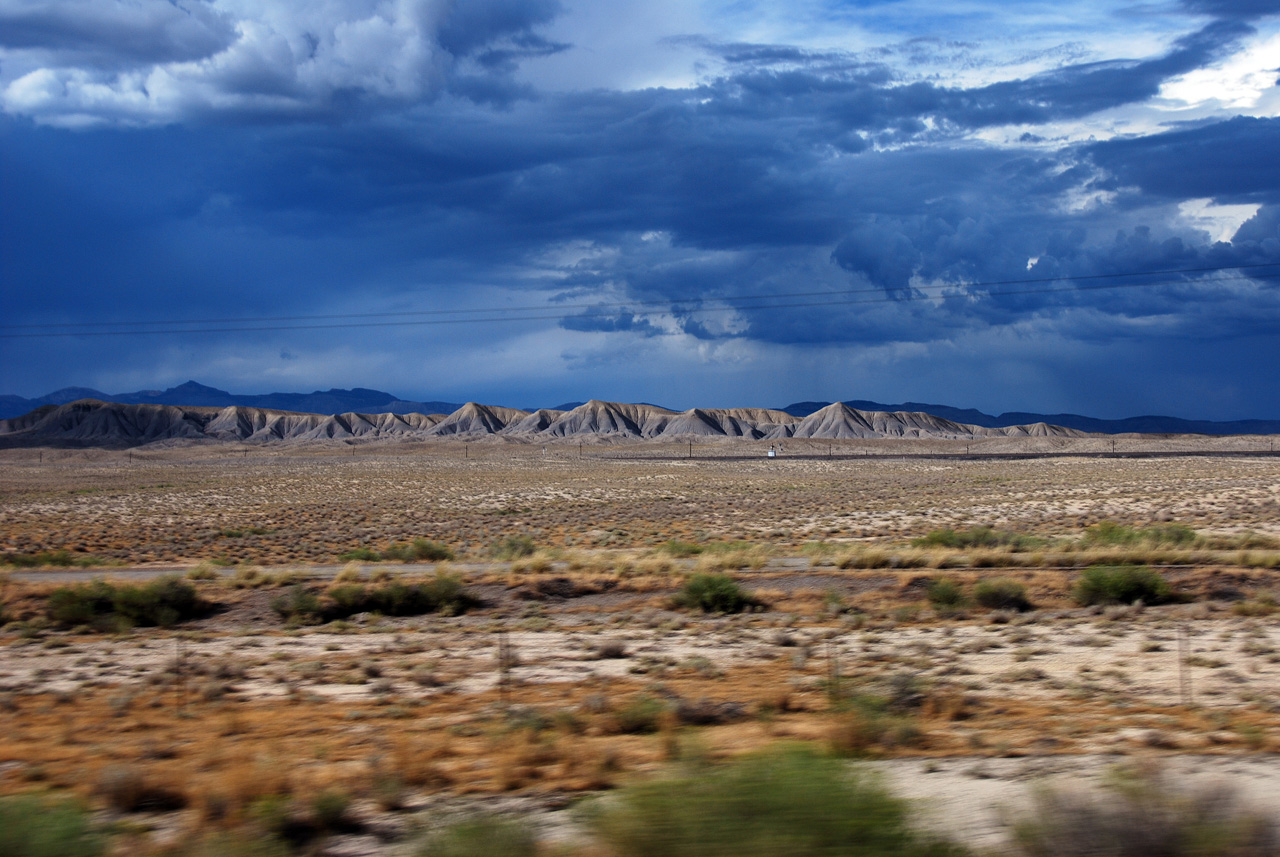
227,708
297,506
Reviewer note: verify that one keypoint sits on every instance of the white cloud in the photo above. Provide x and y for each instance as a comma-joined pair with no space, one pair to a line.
280,57
1220,221
622,44
1238,82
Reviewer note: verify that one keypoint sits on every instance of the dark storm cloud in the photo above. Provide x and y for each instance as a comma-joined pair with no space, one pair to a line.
171,223
111,33
1079,90
609,322
867,96
495,37
498,33
749,178
793,171
1260,234
965,238
743,161
1244,9
1231,161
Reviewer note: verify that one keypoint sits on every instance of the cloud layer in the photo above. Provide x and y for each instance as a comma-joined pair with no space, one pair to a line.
880,213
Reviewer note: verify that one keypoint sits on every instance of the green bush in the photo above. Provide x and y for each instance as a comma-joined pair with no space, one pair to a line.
401,599
448,595
1122,584
1001,594
442,594
482,837
948,538
875,716
329,809
945,592
162,602
81,605
58,558
420,550
788,803
714,593
360,555
513,547
642,715
42,827
1111,534
298,603
397,553
270,813
866,730
347,598
677,548
977,537
424,549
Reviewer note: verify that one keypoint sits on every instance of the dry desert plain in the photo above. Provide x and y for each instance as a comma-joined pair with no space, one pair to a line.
574,670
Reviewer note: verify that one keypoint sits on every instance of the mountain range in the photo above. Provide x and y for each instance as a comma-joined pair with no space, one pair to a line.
1092,425
193,394
367,401
90,422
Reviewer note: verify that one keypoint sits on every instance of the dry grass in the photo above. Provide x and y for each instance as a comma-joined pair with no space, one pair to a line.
299,505
230,710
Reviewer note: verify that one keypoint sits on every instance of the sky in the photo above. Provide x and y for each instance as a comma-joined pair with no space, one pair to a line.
1044,206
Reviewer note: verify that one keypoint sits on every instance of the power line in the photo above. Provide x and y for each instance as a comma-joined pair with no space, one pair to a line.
593,310
672,305
664,302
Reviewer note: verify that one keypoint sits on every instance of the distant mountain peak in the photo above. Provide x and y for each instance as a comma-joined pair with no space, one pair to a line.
195,387
70,394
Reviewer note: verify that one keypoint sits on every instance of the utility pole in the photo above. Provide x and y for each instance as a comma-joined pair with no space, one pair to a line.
690,455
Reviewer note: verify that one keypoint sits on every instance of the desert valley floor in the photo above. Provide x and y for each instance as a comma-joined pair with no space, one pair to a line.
575,668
